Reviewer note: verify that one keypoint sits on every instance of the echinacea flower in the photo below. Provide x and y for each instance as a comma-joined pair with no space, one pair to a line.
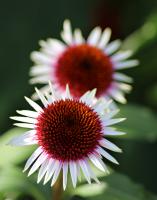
70,136
83,64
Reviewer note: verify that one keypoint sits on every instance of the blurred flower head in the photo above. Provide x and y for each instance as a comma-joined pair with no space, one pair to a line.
70,135
83,64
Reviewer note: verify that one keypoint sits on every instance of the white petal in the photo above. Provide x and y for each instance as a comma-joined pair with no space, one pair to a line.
113,132
78,36
88,97
28,113
94,36
101,105
34,105
112,47
109,145
65,174
68,95
43,170
122,77
107,155
98,163
28,138
40,79
113,121
40,58
123,86
66,34
42,98
73,172
51,169
42,90
126,64
54,95
37,163
117,95
85,171
24,119
109,114
121,56
25,125
104,38
33,157
56,174
40,70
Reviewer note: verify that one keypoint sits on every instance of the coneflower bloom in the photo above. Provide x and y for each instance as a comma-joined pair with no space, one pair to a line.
83,64
70,135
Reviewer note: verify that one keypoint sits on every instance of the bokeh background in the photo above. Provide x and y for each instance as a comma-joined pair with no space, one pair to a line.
24,23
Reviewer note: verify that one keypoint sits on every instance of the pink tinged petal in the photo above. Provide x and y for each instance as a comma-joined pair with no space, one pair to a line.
126,64
33,157
78,38
24,119
43,170
109,145
107,155
121,77
56,174
104,38
37,163
34,105
94,36
92,175
85,171
28,138
24,125
66,34
65,174
73,172
121,55
51,169
113,121
42,98
28,113
40,70
97,162
40,79
112,47
40,58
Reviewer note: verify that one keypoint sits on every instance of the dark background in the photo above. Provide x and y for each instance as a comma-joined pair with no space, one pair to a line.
23,23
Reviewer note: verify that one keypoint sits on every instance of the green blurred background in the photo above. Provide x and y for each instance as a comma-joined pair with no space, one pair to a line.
23,23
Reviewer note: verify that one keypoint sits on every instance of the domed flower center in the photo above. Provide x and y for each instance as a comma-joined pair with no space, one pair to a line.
84,67
69,130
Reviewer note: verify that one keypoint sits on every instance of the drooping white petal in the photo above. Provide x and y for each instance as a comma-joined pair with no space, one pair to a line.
109,145
117,95
109,114
112,47
34,105
73,172
37,163
25,125
107,155
83,165
24,119
28,138
53,166
33,157
98,163
105,37
40,58
122,77
78,38
28,113
42,90
113,121
40,79
65,174
123,86
56,174
88,97
40,70
112,132
101,105
121,56
66,34
126,64
94,36
43,170
42,98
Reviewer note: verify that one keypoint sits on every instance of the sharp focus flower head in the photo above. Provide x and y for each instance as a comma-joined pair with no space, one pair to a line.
84,65
70,135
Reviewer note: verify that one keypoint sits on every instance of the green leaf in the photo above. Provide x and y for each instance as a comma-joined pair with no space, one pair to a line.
13,155
114,187
14,183
141,123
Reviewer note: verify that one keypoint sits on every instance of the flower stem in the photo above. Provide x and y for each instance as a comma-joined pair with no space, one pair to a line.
57,189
